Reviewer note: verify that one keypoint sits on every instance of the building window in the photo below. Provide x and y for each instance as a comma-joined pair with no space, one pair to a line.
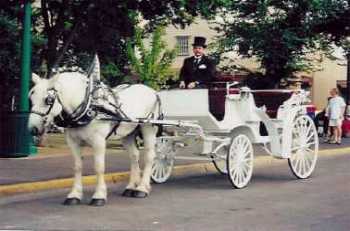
182,44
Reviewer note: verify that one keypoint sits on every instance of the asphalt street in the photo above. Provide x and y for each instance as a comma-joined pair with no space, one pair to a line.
274,200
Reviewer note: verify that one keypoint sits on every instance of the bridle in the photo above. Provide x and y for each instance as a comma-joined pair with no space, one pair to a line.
49,101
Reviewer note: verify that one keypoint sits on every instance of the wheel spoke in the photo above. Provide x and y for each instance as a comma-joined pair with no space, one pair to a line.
309,138
307,163
154,170
295,148
234,175
246,170
308,145
303,166
159,172
298,163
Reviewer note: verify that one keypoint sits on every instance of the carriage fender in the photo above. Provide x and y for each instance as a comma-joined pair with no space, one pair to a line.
288,123
245,130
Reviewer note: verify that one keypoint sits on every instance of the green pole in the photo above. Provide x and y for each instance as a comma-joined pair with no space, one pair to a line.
25,146
16,140
26,58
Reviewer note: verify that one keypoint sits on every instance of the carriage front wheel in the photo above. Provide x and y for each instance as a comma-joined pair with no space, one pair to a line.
240,161
304,147
163,161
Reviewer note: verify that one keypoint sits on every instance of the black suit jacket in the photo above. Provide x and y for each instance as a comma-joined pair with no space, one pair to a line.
203,72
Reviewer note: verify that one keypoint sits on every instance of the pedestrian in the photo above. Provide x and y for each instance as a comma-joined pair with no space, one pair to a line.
197,70
327,133
335,111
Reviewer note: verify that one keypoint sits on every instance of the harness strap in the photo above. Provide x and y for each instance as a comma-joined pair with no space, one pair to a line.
113,131
159,104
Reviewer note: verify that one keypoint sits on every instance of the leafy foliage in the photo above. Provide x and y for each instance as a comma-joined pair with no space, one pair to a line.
281,34
152,65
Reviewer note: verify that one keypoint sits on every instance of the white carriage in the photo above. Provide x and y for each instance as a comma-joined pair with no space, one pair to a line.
228,142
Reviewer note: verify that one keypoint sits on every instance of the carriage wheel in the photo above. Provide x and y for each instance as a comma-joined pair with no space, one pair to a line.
240,161
163,162
304,148
220,162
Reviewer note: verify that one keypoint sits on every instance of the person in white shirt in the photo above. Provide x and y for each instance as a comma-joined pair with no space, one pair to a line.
335,111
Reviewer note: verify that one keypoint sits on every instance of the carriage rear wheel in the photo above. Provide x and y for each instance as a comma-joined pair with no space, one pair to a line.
240,161
163,161
219,160
304,148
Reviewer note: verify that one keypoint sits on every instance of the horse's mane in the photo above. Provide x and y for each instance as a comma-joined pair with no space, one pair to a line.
70,75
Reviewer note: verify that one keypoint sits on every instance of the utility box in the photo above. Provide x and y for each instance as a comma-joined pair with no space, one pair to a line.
15,139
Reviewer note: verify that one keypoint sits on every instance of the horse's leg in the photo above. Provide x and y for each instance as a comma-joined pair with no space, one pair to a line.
76,193
149,136
99,149
129,144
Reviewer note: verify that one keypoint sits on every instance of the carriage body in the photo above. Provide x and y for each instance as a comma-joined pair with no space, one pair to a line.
214,119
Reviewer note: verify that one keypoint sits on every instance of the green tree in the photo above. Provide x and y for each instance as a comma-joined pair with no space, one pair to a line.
281,34
152,65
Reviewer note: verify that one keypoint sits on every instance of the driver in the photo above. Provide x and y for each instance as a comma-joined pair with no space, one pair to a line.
198,70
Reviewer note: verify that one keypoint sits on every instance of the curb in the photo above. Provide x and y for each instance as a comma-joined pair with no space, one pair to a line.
201,168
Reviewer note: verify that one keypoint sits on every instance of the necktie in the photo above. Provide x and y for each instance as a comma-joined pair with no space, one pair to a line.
196,62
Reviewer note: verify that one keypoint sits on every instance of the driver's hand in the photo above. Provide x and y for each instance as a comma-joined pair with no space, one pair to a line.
191,85
182,84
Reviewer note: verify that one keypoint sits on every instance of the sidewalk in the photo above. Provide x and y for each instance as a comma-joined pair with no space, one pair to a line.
52,163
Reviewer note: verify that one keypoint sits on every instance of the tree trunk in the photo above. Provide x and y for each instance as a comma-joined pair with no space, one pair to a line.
275,71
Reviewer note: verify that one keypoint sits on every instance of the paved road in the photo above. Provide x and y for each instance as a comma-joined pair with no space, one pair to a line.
274,200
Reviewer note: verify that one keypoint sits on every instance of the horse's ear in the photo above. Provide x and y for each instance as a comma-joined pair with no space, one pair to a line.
96,72
35,78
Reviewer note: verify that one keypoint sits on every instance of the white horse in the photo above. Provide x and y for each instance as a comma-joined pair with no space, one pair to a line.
64,93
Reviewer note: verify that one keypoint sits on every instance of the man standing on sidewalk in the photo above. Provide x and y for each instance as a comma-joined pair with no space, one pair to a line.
336,109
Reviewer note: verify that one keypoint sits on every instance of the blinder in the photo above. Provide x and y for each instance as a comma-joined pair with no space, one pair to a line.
51,97
49,101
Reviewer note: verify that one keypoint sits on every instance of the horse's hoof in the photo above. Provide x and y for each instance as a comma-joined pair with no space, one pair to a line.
97,202
71,201
128,193
139,194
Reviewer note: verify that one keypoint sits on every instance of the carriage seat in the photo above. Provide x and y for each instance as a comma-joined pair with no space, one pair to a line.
217,96
271,99
188,105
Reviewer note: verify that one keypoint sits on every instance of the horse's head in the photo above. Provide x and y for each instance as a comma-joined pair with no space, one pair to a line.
45,104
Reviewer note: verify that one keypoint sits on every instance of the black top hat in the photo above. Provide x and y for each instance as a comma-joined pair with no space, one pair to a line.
199,42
